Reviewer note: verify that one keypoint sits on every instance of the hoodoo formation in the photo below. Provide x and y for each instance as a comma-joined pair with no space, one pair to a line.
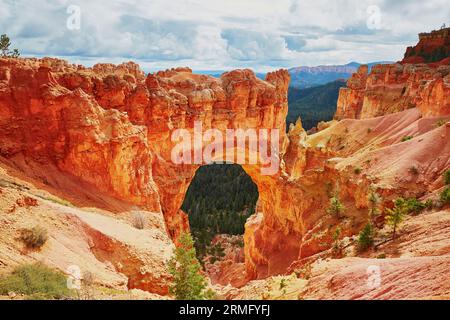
93,147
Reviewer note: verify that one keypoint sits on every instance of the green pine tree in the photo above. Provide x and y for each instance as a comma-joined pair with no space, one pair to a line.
374,202
447,177
5,52
336,207
445,195
336,249
396,215
188,282
366,238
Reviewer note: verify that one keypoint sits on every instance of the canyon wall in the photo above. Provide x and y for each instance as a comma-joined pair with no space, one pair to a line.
364,151
394,88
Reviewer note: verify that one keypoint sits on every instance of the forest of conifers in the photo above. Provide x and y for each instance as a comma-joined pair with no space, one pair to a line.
219,201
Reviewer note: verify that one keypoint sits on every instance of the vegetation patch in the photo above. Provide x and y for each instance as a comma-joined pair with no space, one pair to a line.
215,252
314,104
407,138
188,283
337,247
374,200
366,238
414,206
445,196
35,237
36,282
441,122
396,215
138,221
414,170
447,177
5,51
336,208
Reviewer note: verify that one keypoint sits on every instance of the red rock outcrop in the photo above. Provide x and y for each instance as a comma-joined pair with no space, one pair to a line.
104,244
48,123
432,47
351,98
414,267
394,88
413,82
228,268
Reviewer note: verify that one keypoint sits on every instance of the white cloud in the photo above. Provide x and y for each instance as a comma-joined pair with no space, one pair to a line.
259,34
252,45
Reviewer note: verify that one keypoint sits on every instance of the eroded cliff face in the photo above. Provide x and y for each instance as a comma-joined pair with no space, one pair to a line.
394,88
432,47
50,124
362,152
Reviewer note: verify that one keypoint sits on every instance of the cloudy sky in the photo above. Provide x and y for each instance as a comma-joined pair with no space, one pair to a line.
220,34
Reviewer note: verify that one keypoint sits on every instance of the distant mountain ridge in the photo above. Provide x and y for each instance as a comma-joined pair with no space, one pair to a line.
307,77
350,67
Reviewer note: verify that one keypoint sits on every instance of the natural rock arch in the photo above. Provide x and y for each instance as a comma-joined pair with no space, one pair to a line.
244,107
110,128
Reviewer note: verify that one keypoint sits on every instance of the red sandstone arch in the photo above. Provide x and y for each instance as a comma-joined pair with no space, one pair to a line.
110,128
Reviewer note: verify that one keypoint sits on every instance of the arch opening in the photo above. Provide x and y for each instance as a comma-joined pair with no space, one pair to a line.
218,202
